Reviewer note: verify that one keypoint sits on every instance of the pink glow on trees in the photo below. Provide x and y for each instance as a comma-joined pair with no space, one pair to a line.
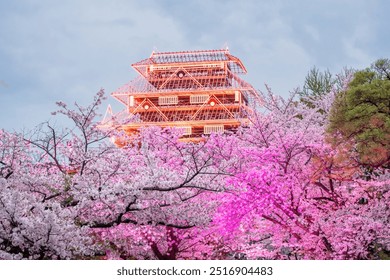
151,193
295,198
276,189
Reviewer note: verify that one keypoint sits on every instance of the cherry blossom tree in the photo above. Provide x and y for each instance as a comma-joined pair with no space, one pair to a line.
278,188
163,190
152,192
298,196
32,225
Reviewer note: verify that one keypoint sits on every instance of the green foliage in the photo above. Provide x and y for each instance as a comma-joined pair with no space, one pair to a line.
318,83
362,114
382,68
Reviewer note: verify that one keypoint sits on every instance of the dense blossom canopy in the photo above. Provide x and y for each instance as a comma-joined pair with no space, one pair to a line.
277,189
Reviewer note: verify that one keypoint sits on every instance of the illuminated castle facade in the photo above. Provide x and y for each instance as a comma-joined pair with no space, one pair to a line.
197,91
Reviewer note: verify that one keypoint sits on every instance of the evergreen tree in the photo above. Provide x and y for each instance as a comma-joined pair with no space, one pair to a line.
361,114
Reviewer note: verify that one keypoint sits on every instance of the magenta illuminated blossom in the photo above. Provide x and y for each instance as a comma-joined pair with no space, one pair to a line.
293,199
276,190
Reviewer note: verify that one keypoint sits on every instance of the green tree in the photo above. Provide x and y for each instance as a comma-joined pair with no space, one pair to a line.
318,83
362,114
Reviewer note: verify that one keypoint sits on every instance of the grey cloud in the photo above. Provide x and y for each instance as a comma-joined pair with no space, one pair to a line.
68,50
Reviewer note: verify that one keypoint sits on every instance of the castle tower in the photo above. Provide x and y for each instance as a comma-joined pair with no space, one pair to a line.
198,91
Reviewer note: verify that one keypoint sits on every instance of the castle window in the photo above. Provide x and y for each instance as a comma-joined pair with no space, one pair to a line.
198,99
208,129
168,100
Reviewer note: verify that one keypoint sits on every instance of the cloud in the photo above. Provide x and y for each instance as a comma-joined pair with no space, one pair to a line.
355,44
3,84
313,32
67,50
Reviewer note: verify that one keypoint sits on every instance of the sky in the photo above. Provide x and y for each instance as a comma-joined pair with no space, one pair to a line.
68,50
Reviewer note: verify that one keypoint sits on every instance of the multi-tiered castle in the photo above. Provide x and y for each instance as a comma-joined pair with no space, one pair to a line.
198,91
